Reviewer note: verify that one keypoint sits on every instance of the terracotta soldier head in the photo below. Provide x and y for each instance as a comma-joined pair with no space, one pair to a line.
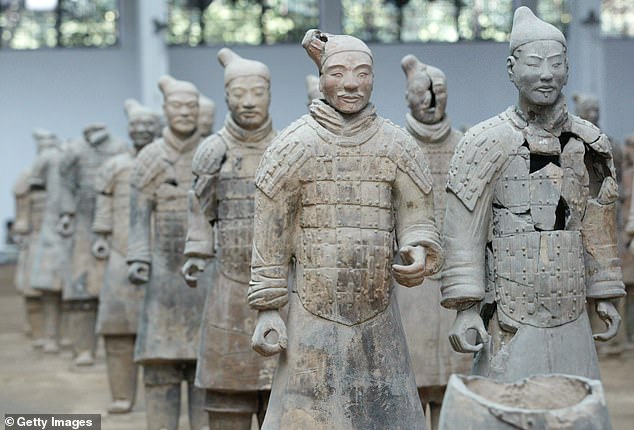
426,90
180,104
95,133
142,123
247,89
346,72
312,88
538,63
206,116
587,107
44,139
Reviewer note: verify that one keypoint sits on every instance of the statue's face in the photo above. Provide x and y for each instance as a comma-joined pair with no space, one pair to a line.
142,129
205,122
427,100
539,70
248,99
346,81
181,111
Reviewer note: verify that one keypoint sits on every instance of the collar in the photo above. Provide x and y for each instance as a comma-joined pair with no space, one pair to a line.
428,133
253,138
559,122
355,125
180,146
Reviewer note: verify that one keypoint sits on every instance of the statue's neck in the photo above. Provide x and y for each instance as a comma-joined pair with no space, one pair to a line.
543,116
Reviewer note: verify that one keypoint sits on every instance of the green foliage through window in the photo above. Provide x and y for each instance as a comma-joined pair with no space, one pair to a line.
253,22
617,18
440,20
33,24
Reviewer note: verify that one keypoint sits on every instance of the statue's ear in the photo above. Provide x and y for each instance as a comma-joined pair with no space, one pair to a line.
510,63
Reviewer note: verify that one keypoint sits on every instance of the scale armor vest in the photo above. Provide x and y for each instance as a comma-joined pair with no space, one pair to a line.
347,238
37,202
536,260
235,193
439,155
170,213
90,159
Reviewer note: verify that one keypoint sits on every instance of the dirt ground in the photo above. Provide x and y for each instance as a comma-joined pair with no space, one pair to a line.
31,382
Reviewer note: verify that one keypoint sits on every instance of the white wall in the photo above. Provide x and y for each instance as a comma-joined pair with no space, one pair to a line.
66,89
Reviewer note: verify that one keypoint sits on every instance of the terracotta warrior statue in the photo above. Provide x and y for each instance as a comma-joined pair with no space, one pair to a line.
627,235
336,192
49,267
29,210
236,378
206,116
80,162
119,300
587,107
425,322
530,224
167,338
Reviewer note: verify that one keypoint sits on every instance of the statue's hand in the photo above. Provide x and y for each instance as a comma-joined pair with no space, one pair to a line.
269,322
467,319
190,270
65,225
101,248
413,272
610,316
139,272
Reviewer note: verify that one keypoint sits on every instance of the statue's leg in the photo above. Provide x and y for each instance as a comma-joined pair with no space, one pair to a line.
263,404
122,372
82,319
65,337
195,400
51,310
34,316
162,384
231,410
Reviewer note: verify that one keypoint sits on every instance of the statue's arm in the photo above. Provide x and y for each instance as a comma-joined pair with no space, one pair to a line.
201,213
416,231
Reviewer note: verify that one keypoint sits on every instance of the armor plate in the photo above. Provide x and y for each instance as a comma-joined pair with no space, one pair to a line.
347,237
512,189
545,191
539,277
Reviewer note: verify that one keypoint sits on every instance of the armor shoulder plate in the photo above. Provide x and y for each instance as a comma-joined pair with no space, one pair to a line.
478,157
584,130
287,153
209,156
70,156
409,157
149,164
104,180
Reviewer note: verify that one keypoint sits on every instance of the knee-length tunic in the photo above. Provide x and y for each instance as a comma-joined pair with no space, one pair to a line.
171,313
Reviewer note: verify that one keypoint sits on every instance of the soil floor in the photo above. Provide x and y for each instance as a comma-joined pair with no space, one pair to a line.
32,382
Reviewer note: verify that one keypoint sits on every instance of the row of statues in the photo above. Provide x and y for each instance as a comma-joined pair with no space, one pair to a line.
274,272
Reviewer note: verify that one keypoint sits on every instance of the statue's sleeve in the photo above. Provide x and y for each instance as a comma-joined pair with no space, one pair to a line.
465,238
604,278
104,210
272,237
415,223
37,178
21,224
141,207
202,198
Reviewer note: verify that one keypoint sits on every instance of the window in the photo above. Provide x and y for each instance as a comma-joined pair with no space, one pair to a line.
253,22
33,24
617,18
440,20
